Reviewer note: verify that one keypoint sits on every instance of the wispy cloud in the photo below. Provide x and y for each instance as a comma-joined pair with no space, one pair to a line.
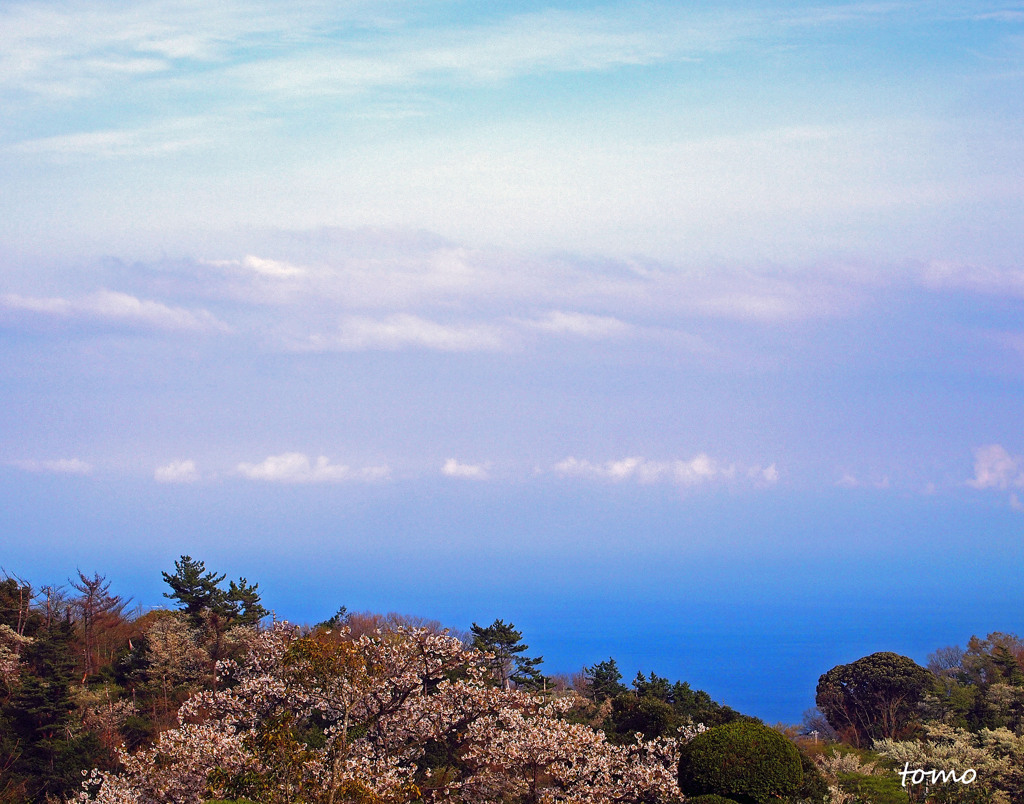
699,470
406,331
472,471
1002,15
582,324
526,44
114,306
852,481
177,472
95,46
296,467
60,466
168,137
980,278
81,51
75,50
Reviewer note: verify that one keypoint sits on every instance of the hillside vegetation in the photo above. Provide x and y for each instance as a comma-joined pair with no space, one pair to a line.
211,701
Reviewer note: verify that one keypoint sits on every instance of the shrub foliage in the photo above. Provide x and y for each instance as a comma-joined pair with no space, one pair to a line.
746,762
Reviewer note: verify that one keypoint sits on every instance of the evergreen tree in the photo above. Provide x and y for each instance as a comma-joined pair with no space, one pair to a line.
209,608
195,589
657,707
336,620
505,643
603,680
200,596
526,675
654,687
242,603
16,606
53,750
1008,665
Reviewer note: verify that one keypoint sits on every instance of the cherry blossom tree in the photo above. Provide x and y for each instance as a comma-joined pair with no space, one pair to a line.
322,716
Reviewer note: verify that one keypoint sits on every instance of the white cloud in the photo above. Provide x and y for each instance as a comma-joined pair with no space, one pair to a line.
582,324
113,306
404,331
123,307
452,468
407,275
699,470
295,467
995,468
275,269
852,481
61,466
612,470
177,472
57,307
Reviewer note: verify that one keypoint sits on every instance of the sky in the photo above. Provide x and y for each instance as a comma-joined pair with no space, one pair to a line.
688,335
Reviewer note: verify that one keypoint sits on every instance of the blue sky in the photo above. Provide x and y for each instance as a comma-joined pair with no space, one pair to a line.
403,285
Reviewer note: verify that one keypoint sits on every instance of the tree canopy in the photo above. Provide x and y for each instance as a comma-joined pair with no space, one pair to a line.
603,680
174,707
198,592
874,697
505,643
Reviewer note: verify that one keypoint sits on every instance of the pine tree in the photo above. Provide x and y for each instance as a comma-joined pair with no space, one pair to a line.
1009,666
505,643
195,589
54,752
603,680
242,603
199,594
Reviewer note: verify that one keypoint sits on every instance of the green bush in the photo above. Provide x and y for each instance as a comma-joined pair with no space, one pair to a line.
874,789
747,762
711,798
814,787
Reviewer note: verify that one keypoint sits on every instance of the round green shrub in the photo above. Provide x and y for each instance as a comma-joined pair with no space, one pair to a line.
711,798
747,762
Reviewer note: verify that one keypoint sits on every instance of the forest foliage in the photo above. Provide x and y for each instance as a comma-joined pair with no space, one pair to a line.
213,700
